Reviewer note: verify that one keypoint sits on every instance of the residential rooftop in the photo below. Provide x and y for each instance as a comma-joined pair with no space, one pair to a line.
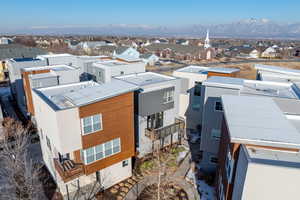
145,78
277,69
82,93
204,70
52,68
25,59
256,87
55,55
273,157
258,121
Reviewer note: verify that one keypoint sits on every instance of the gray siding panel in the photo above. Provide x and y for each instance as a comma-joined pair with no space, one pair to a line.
152,102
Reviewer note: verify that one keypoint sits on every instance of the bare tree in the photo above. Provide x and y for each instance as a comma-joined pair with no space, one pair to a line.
20,176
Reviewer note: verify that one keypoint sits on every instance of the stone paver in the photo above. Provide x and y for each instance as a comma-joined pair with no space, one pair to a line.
178,178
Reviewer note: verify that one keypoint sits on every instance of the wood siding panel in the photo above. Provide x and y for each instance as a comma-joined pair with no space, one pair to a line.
27,88
209,74
118,122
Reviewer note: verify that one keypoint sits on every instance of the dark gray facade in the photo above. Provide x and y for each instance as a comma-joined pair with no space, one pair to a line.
153,102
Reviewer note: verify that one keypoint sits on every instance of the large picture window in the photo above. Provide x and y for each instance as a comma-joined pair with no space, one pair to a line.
101,151
91,124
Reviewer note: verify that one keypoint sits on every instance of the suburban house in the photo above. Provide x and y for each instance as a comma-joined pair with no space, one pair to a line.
259,152
182,42
190,94
243,52
270,52
5,40
149,58
39,77
157,123
212,90
126,53
275,73
99,119
180,52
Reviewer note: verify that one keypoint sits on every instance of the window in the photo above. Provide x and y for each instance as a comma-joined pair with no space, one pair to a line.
215,134
48,143
155,121
197,88
218,106
125,163
101,151
91,124
90,155
168,96
213,159
108,148
229,166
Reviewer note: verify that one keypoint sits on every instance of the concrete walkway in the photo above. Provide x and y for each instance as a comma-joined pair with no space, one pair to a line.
178,177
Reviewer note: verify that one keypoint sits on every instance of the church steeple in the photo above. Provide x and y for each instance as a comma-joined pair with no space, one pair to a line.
207,43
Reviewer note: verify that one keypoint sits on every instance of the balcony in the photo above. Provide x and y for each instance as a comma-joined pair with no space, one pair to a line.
68,169
159,133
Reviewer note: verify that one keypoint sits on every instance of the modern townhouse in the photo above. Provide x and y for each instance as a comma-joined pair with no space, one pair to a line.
157,122
275,73
190,107
212,90
102,71
259,151
87,135
14,67
39,77
58,59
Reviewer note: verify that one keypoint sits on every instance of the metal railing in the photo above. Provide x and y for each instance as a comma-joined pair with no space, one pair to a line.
159,133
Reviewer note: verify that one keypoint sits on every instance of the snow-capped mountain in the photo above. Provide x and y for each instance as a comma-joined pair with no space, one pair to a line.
249,28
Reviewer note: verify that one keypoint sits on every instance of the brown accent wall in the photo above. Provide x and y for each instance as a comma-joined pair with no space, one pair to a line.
235,74
118,122
27,88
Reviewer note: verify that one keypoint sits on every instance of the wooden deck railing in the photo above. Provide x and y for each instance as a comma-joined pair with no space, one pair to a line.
68,170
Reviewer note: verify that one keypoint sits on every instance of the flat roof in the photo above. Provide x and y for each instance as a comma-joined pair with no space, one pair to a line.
204,70
55,55
43,75
83,93
277,69
259,121
273,157
52,67
145,78
256,87
25,59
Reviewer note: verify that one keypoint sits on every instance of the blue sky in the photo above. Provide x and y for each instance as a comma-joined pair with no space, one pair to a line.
27,13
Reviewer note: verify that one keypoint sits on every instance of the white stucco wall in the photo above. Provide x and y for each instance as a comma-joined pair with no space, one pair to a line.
61,127
271,182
